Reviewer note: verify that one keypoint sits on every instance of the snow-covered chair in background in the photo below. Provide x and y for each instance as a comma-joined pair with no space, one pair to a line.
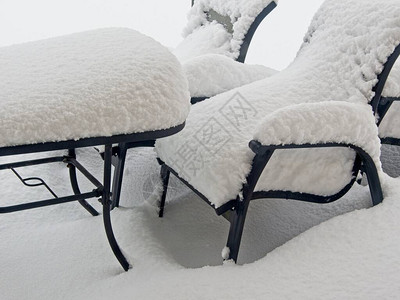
302,134
95,88
216,40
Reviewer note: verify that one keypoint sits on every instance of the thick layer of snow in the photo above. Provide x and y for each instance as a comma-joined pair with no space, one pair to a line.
95,83
343,51
199,28
302,123
212,74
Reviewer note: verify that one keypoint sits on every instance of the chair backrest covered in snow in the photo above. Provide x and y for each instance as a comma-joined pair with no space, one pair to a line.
222,27
348,43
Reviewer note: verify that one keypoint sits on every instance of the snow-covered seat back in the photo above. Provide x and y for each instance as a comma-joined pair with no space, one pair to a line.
222,27
348,43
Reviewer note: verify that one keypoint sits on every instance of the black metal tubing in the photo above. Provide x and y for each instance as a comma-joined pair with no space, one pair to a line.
90,142
32,162
72,164
390,141
106,201
363,161
382,78
195,100
48,202
164,172
39,182
119,172
249,35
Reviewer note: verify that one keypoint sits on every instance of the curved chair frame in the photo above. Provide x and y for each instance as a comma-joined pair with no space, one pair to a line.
250,33
384,103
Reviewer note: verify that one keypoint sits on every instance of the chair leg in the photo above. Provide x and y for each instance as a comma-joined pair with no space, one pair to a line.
75,185
374,184
106,202
118,174
165,179
237,220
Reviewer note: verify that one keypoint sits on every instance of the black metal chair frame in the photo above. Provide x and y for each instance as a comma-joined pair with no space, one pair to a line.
235,210
108,192
383,106
246,41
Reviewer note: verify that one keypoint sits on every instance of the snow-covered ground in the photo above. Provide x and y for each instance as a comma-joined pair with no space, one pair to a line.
61,252
290,250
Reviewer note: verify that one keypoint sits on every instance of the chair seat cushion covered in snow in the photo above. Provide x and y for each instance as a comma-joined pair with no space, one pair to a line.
212,74
216,39
322,97
97,83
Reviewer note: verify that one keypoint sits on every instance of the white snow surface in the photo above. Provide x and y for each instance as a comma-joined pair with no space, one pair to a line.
298,123
96,83
212,74
343,51
203,36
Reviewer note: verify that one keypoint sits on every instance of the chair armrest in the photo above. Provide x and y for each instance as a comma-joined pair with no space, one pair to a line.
321,123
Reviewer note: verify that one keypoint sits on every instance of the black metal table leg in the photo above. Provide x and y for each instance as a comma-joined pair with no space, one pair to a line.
106,201
118,174
75,185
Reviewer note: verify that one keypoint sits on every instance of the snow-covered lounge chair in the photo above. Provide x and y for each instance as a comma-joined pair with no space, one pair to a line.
101,87
216,40
302,134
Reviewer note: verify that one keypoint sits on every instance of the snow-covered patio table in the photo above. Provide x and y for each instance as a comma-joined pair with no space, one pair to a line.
102,87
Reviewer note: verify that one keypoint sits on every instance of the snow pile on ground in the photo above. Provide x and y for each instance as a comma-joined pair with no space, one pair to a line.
61,252
95,83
